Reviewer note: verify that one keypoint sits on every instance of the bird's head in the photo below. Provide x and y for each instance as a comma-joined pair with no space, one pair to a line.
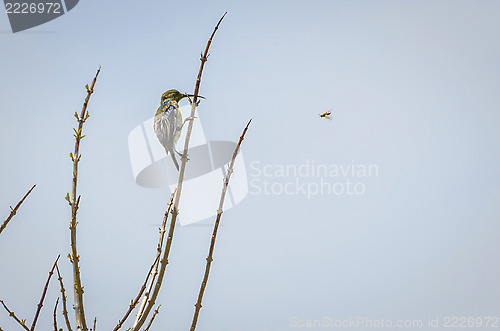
176,96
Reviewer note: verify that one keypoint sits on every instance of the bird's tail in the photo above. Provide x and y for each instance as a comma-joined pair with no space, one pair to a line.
172,154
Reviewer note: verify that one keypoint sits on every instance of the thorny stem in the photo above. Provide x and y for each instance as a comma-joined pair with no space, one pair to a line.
14,210
152,318
153,271
55,318
40,304
214,233
11,314
164,260
81,324
63,294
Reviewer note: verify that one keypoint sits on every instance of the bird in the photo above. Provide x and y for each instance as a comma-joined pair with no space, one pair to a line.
168,122
326,114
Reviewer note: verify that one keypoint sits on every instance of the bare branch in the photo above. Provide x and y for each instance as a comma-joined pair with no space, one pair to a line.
164,260
14,210
134,302
55,318
214,233
153,271
203,59
63,294
74,202
152,318
11,314
40,304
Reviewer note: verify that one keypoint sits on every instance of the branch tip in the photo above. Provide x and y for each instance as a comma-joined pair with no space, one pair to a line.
13,211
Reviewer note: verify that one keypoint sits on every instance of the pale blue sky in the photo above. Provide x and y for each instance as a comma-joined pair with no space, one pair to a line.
414,89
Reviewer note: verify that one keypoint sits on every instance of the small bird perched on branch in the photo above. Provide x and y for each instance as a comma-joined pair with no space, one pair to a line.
168,121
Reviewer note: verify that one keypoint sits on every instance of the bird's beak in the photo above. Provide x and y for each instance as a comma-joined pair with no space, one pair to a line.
192,96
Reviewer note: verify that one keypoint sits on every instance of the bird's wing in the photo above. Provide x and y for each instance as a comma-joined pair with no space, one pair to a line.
171,115
165,124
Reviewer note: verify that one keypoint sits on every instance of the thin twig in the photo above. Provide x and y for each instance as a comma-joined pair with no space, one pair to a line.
95,320
214,233
14,211
11,314
63,294
152,318
168,244
133,303
153,271
55,318
203,59
74,202
40,304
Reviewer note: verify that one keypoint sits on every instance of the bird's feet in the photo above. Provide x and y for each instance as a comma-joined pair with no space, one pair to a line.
190,118
182,156
187,119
